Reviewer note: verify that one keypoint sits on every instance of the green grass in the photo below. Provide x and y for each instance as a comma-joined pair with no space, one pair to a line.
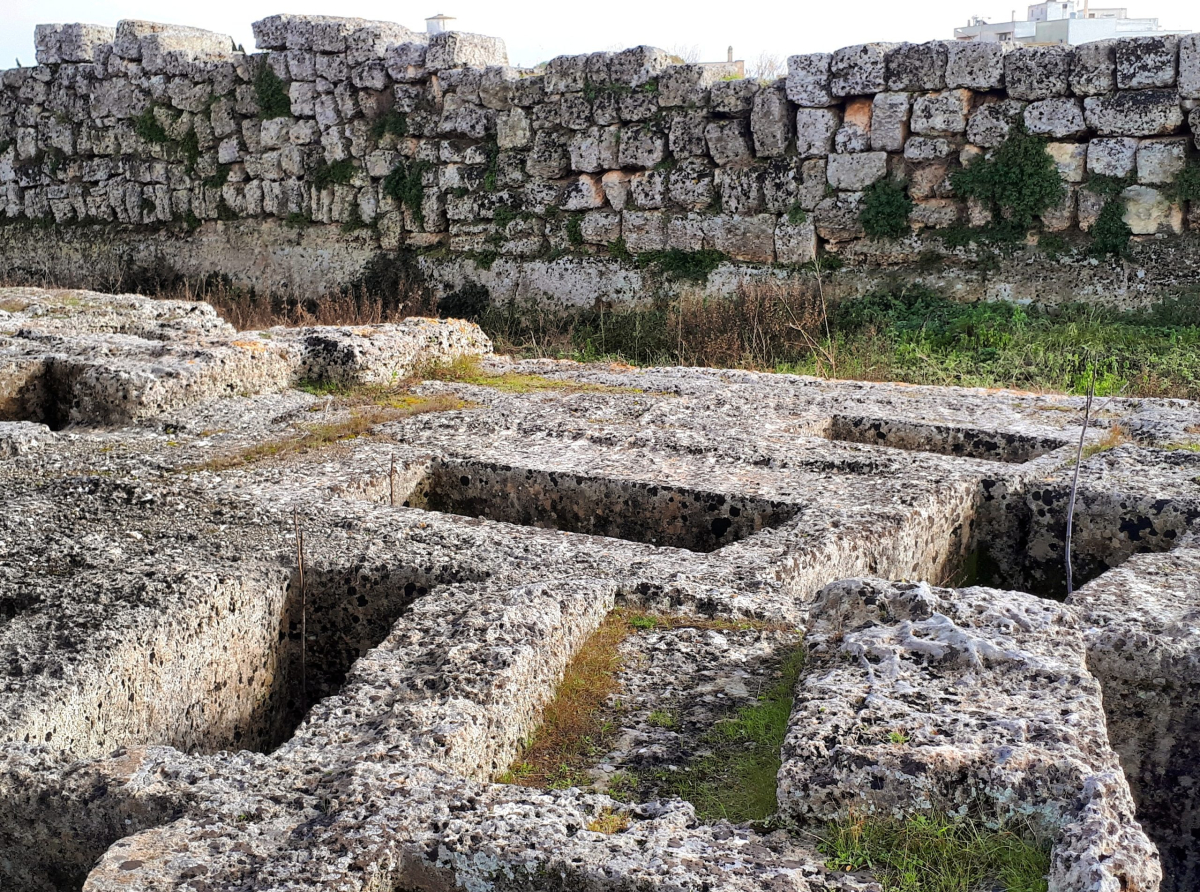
933,854
737,780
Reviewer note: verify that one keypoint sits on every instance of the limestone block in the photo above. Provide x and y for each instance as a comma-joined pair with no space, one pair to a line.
47,44
929,148
941,113
1038,72
460,49
690,184
728,141
1070,160
1147,62
639,105
929,180
750,239
229,151
917,66
1189,66
371,41
740,190
600,227
808,80
594,149
836,217
814,183
795,242
574,111
465,118
548,158
1159,161
616,188
771,121
1062,215
684,85
303,98
566,74
1134,113
496,86
1088,208
889,121
857,171
859,70
648,188
1148,212
643,230
75,42
1194,125
1095,68
585,193
640,147
638,65
855,133
975,65
734,97
935,213
815,129
688,233
990,124
1111,157
512,129
159,45
1056,118
406,62
686,133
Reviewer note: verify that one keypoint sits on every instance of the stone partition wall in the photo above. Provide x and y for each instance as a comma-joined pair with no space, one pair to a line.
345,139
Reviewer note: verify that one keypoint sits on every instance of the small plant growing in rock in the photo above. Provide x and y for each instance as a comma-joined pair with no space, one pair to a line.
609,821
405,184
392,123
796,215
326,174
270,93
661,718
885,209
147,127
575,230
897,737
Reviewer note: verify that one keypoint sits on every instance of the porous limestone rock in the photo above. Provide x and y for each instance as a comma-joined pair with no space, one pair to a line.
1134,113
1033,73
1056,118
856,171
1148,211
808,80
975,65
1112,156
914,67
1160,161
1094,71
859,70
1147,62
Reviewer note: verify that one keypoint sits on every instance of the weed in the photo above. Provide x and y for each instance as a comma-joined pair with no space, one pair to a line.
661,718
296,220
1182,447
609,821
575,230
468,370
935,854
619,251
1114,437
219,178
796,215
897,737
1017,183
1052,245
188,148
405,185
1110,232
148,129
491,173
643,622
270,93
1185,186
692,265
392,123
325,174
885,209
504,215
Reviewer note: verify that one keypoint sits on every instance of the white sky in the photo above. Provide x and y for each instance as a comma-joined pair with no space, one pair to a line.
537,30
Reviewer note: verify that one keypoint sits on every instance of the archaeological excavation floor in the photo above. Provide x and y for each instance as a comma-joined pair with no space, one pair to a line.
192,696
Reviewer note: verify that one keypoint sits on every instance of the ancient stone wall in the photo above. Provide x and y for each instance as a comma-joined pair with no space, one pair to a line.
384,138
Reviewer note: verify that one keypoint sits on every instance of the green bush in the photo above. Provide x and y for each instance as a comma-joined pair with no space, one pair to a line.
1110,233
885,209
575,230
1016,184
692,265
325,174
393,123
270,92
147,128
404,185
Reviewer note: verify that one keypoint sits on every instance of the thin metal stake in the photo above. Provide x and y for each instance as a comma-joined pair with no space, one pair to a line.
303,613
392,481
1087,414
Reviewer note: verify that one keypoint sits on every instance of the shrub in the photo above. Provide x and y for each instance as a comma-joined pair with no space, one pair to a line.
326,174
404,185
147,128
270,93
1017,184
796,215
392,123
885,209
692,265
1110,233
575,230
468,302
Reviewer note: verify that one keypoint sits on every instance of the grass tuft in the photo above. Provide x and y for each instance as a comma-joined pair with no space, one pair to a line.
609,821
469,370
934,854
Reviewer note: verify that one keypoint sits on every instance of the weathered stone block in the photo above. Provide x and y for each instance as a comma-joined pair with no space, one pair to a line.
594,149
690,184
1038,72
405,63
1070,159
686,133
1061,216
644,230
854,135
689,233
857,171
859,70
496,86
638,65
574,111
1095,68
548,158
771,121
584,193
512,129
1159,161
75,42
640,147
808,80
750,239
740,190
815,129
837,217
566,74
929,148
460,49
616,188
990,124
1134,113
1149,212
1111,157
733,97
814,183
975,65
889,121
648,188
683,85
941,113
1189,66
917,66
1056,118
935,213
795,242
929,180
1194,125
1147,62
600,227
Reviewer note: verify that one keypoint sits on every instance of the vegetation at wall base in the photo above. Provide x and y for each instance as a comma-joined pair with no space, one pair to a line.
885,209
929,853
1016,184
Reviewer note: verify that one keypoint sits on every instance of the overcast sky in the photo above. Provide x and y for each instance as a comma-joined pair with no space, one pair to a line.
537,30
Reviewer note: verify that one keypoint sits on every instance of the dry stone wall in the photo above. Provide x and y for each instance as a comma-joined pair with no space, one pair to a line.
434,142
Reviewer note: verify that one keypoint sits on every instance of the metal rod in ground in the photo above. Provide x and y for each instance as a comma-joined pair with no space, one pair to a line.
392,481
1087,414
303,613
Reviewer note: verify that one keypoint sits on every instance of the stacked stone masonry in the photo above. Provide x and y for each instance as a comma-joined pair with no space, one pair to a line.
435,141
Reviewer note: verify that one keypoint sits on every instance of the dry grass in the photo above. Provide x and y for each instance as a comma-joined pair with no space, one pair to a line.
1115,436
609,821
13,305
469,370
364,418
573,731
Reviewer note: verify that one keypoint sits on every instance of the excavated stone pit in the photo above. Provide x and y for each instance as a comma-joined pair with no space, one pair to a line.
179,711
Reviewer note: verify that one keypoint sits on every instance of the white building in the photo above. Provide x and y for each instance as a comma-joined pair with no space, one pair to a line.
1061,22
